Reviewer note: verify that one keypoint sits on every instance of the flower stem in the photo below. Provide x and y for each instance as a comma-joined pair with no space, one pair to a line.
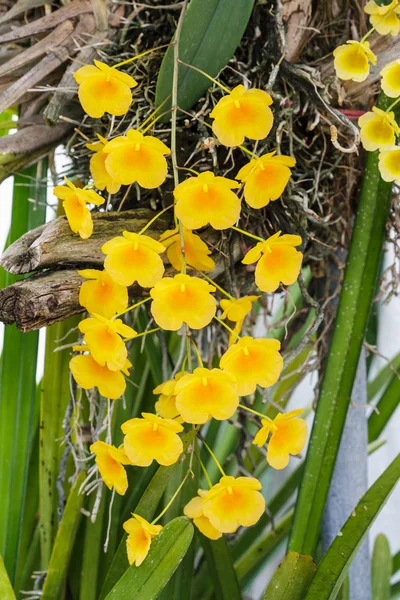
225,89
146,129
249,152
255,237
227,327
129,60
206,475
197,353
162,513
215,459
131,308
141,232
147,332
152,114
366,36
393,105
254,412
190,170
217,286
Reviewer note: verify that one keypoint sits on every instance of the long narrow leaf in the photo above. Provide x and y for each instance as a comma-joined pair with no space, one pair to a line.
64,543
381,568
383,378
341,365
6,591
166,552
203,46
18,386
221,568
291,579
336,562
384,409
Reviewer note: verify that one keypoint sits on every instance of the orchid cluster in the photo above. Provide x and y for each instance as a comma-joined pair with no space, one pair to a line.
193,396
378,128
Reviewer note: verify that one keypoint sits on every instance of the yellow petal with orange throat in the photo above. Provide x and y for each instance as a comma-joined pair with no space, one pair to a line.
390,82
104,89
140,534
152,438
234,502
253,361
206,394
102,295
389,164
378,129
104,342
109,461
196,251
207,199
242,113
137,158
133,257
194,511
89,374
289,438
352,60
182,299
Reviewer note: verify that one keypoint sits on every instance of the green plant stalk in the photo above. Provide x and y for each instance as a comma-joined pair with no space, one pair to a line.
334,565
291,579
222,572
6,591
347,338
381,568
255,555
383,378
386,407
92,547
18,387
54,400
64,542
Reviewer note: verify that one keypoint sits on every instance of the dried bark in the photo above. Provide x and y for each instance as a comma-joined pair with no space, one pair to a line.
52,295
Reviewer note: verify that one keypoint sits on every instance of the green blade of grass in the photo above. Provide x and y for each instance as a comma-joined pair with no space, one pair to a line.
385,407
64,542
18,386
381,568
291,579
383,378
335,564
340,369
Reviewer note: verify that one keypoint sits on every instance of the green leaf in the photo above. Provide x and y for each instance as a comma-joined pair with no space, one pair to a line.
92,547
383,378
292,578
64,542
54,400
6,591
17,385
334,565
211,32
385,407
348,334
145,508
381,568
255,555
287,307
166,552
222,571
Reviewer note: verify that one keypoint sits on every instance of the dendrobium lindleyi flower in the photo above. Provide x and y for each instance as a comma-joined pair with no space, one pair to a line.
384,24
207,199
389,164
101,294
277,260
135,157
206,394
103,339
140,533
352,60
288,436
110,461
390,82
194,510
196,251
104,89
166,404
97,164
242,113
237,309
234,502
253,361
152,438
378,129
133,257
182,299
89,374
265,178
75,202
